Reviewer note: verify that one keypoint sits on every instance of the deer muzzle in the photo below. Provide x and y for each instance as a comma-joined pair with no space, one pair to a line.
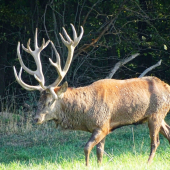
39,119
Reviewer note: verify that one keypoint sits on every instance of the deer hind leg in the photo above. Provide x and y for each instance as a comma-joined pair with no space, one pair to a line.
154,125
95,138
100,151
165,130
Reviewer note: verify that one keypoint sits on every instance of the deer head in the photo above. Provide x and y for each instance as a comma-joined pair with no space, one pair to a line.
48,94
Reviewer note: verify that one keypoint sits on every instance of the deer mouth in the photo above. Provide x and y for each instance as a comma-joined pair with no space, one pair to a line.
39,119
56,122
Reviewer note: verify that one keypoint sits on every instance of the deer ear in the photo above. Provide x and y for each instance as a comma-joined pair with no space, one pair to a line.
62,89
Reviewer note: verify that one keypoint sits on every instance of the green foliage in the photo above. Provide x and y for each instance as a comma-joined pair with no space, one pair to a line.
112,32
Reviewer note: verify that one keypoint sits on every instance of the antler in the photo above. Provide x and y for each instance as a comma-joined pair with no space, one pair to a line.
70,44
38,74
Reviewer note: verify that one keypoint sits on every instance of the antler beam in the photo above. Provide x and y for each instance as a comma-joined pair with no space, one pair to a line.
71,45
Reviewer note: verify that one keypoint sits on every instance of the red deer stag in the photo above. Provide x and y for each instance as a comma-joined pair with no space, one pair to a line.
100,107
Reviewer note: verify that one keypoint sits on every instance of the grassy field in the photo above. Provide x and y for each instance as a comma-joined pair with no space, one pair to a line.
24,146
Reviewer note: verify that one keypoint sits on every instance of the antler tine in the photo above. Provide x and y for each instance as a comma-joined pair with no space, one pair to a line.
57,57
44,44
28,45
36,42
81,33
74,32
20,59
67,36
77,39
66,43
24,85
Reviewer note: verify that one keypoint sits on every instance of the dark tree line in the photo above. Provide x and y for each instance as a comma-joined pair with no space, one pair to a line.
114,30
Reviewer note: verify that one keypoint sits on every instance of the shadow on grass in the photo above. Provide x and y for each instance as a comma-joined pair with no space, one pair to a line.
45,144
53,146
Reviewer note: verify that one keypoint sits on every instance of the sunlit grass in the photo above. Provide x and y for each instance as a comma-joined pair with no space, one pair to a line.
44,147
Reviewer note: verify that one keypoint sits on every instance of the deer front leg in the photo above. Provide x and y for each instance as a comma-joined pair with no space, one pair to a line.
100,151
95,138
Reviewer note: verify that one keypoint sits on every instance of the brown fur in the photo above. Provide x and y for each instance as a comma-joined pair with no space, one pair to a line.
108,104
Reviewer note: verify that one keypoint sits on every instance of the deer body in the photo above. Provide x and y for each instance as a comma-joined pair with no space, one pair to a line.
112,103
100,107
108,104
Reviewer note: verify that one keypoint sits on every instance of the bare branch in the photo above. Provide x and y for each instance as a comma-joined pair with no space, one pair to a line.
85,47
150,68
121,63
84,21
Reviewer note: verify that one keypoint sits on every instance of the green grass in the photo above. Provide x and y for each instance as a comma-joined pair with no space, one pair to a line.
46,148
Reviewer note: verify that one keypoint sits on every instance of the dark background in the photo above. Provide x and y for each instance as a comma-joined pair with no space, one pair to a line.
114,30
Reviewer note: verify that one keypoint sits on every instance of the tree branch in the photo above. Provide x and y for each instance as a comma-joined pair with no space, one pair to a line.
84,21
121,63
150,68
85,47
